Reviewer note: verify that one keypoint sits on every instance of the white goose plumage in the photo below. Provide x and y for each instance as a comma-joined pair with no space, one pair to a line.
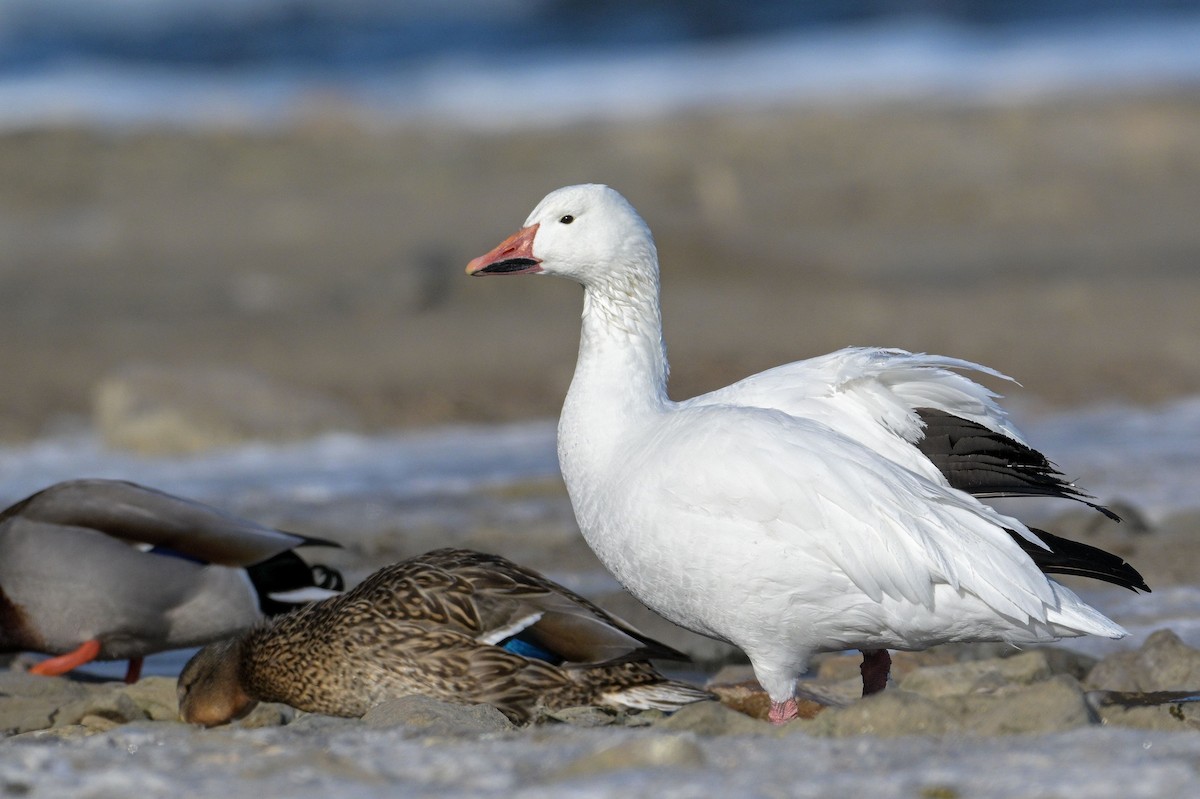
803,509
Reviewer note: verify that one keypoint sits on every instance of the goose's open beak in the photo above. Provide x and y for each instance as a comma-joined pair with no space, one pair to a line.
514,256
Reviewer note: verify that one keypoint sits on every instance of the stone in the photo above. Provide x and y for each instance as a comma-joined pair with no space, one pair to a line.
97,710
1162,663
1052,705
887,714
22,714
437,718
30,702
1148,711
977,675
156,697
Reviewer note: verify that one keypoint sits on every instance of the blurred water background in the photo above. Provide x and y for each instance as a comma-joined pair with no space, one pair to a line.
260,62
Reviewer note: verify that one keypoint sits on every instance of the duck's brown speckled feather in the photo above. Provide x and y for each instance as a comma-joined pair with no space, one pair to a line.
428,625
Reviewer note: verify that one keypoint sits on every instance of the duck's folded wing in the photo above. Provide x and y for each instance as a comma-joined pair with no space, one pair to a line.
138,514
512,602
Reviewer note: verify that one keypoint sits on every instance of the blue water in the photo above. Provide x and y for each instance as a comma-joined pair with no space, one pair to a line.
514,63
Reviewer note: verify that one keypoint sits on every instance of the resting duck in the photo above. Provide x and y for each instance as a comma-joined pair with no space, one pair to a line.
109,570
824,505
452,624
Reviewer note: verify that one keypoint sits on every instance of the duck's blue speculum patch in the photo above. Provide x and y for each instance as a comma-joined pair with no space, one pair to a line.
530,650
175,553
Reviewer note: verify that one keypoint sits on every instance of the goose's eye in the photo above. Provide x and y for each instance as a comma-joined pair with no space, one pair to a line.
566,220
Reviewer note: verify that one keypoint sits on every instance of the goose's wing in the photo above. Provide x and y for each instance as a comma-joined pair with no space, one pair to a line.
137,514
505,601
920,411
890,531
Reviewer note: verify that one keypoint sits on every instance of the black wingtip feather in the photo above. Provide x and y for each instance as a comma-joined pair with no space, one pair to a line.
1071,557
985,463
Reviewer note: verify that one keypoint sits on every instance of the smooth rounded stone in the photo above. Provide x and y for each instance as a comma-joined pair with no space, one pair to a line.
102,711
1162,663
437,718
165,410
21,714
156,696
1052,705
1147,711
664,751
887,714
713,718
972,676
29,702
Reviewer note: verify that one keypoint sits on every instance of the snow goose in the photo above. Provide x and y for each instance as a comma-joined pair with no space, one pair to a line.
108,570
824,505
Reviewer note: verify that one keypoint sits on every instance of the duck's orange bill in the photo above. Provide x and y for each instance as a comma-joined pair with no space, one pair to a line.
53,667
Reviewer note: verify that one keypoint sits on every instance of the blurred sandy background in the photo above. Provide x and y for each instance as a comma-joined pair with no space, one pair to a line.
1056,241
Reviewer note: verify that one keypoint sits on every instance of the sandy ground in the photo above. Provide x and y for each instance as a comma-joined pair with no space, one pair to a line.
1056,241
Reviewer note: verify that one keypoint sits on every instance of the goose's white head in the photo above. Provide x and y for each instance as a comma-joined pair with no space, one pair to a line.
588,233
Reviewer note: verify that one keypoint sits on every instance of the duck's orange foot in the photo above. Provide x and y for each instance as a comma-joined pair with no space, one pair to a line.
53,667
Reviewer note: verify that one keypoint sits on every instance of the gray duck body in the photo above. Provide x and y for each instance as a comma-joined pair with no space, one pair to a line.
137,570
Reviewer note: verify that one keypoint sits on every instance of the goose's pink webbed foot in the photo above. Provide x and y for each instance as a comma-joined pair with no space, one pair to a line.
783,712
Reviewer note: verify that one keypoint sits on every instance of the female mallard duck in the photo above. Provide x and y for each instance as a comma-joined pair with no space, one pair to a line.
108,570
453,624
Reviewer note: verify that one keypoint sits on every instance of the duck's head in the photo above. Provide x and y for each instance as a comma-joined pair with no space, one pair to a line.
587,233
210,690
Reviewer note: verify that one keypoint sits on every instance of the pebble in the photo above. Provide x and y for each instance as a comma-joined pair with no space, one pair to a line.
1035,691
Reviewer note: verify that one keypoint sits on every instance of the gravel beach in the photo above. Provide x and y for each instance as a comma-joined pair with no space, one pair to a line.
174,290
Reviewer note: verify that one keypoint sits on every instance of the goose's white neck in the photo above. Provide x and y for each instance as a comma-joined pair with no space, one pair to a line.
621,376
